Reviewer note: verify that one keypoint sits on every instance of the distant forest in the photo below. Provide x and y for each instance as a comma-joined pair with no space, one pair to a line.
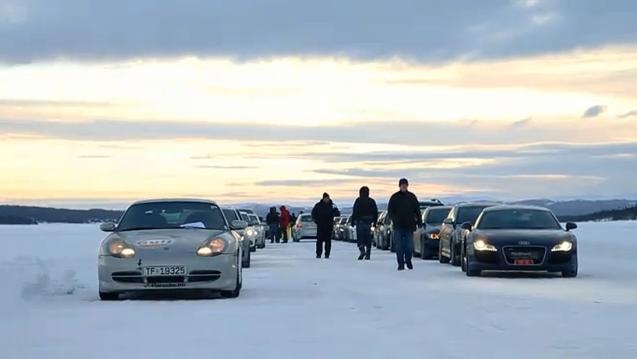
629,213
34,215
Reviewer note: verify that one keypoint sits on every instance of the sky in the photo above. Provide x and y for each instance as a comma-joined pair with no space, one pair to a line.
103,103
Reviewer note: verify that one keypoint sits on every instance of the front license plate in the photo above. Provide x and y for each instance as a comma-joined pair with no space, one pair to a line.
523,262
164,271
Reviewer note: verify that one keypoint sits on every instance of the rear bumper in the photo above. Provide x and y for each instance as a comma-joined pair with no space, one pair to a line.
204,273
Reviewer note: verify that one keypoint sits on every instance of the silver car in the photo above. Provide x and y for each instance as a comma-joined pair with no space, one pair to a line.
256,231
304,228
232,215
171,245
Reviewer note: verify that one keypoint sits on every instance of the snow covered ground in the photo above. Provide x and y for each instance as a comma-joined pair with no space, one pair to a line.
295,306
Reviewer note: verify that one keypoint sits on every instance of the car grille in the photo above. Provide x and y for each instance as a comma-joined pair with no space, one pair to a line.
524,252
204,276
166,279
128,277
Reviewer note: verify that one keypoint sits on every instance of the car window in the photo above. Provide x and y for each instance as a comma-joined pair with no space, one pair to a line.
518,219
253,220
164,215
469,214
230,214
306,219
436,215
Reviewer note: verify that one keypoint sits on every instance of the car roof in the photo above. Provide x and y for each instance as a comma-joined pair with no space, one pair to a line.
513,207
438,207
477,204
161,200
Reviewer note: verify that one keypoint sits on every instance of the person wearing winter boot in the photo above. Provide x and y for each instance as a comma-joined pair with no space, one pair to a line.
365,212
404,211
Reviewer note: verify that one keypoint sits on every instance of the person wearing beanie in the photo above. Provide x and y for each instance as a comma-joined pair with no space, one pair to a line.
323,215
364,213
404,211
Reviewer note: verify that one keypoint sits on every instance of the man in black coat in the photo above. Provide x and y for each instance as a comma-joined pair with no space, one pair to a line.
365,213
272,220
404,211
323,215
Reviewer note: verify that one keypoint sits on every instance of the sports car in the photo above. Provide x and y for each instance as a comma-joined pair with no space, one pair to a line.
519,238
171,245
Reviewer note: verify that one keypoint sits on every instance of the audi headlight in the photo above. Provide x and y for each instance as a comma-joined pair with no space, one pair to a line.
120,249
482,245
212,247
434,235
563,247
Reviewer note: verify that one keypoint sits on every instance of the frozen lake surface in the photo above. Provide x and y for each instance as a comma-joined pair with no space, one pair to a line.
296,306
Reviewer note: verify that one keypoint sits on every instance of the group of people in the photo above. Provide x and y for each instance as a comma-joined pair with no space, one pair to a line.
403,209
279,224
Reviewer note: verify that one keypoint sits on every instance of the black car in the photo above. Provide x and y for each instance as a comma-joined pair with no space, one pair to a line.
426,242
519,238
451,233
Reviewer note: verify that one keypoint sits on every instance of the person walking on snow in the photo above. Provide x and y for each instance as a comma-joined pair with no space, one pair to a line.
284,222
404,211
323,215
365,212
272,220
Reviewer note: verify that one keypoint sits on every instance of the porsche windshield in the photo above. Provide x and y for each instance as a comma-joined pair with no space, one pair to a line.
518,219
165,215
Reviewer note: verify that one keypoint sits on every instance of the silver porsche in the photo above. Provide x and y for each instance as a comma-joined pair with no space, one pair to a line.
180,244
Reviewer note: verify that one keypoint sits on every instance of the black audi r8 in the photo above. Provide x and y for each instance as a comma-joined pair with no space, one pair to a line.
519,238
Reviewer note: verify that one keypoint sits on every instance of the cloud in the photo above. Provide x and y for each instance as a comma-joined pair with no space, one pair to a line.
594,111
523,122
428,29
94,156
409,132
632,113
220,167
298,183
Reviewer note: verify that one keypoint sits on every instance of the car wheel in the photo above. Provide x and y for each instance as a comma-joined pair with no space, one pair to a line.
237,290
441,258
571,273
425,253
253,249
455,258
109,295
246,263
463,258
473,272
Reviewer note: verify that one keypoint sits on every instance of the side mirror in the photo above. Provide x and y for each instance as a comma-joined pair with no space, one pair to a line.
108,227
448,221
238,225
570,226
467,225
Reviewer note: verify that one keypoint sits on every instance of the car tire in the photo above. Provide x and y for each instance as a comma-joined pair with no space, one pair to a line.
455,258
572,273
473,272
425,253
253,249
463,259
246,263
109,296
441,258
237,290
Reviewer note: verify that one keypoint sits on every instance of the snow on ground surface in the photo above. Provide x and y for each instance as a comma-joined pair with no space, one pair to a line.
295,306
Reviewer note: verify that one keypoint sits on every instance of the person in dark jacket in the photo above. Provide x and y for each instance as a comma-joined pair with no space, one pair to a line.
323,215
272,220
365,213
404,211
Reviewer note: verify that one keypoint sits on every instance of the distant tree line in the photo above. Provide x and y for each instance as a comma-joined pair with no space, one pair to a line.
34,215
629,213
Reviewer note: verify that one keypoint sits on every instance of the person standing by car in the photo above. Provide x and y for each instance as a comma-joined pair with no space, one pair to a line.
365,213
284,222
404,211
323,215
272,220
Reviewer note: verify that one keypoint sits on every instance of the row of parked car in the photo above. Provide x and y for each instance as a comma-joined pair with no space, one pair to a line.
180,244
483,236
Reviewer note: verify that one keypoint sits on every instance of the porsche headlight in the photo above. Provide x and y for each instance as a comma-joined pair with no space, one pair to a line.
434,235
565,246
212,247
251,232
482,245
120,249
